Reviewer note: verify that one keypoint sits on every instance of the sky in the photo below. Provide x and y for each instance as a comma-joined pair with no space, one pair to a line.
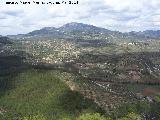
119,15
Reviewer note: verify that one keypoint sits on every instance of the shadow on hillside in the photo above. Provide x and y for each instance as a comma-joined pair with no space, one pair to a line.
10,66
74,103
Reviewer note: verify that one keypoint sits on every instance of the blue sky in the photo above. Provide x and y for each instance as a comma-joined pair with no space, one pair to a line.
120,15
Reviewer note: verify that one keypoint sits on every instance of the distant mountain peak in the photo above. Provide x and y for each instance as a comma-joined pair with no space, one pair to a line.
74,24
48,28
81,27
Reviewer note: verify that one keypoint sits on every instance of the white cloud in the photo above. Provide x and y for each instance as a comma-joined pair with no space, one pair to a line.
122,15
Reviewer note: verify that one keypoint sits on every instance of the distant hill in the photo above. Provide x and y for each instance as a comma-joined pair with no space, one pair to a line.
148,34
46,30
5,40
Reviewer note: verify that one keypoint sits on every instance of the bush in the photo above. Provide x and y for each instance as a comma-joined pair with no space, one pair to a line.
95,116
131,116
36,117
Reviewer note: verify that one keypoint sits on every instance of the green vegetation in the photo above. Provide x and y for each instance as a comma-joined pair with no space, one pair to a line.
137,111
41,95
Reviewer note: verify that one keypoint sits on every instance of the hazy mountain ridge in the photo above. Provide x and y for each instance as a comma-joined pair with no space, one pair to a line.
73,29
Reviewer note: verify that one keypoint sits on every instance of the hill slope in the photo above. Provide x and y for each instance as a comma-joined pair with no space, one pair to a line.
42,93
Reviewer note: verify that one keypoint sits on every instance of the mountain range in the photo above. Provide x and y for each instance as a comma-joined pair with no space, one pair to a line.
75,30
